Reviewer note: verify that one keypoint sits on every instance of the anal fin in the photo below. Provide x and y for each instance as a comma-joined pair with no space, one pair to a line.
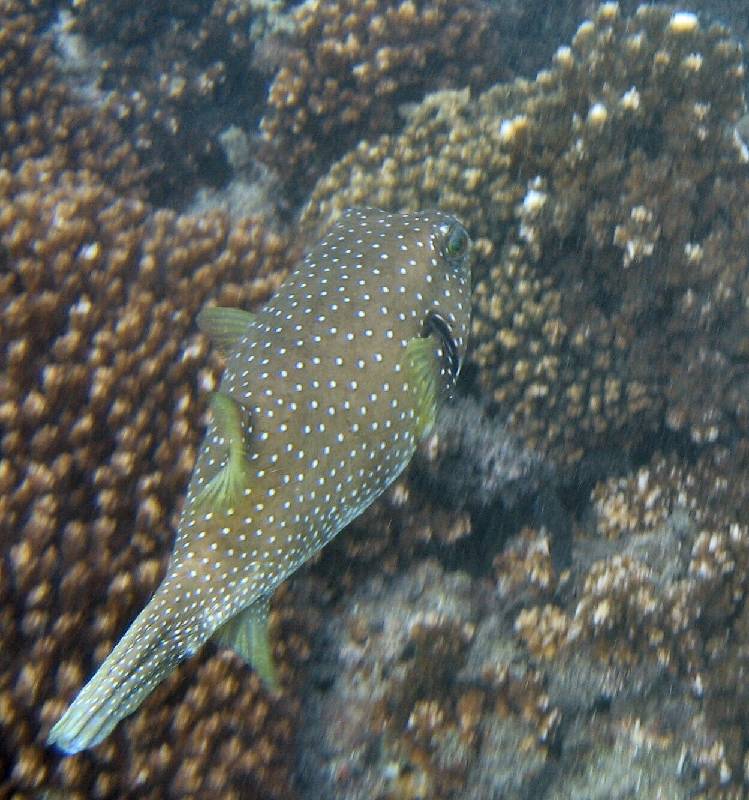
246,634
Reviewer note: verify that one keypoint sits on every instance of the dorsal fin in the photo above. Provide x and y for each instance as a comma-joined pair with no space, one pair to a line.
225,326
423,370
226,487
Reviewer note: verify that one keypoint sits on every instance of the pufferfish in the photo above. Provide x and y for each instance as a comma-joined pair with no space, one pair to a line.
326,393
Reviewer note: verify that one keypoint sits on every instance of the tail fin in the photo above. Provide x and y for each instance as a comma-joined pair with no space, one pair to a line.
150,649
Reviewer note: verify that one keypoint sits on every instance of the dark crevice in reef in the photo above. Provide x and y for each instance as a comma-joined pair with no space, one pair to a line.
484,469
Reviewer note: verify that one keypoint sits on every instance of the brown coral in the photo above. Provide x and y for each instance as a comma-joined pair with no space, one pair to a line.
177,76
403,524
351,63
669,598
39,113
420,699
101,405
608,204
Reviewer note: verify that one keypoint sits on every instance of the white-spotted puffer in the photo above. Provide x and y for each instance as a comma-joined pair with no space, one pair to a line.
327,391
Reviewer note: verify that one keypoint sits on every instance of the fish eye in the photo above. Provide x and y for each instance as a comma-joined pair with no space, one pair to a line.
456,241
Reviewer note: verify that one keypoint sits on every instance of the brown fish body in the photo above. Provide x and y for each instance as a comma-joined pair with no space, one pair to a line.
325,395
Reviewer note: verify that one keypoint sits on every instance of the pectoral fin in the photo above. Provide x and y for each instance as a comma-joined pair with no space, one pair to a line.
225,326
226,487
423,370
247,635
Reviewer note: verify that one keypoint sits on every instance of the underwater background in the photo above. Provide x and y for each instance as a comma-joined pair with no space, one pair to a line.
551,601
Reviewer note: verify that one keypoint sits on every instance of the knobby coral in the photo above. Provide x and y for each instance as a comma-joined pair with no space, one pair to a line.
102,400
101,405
609,200
662,603
176,76
349,64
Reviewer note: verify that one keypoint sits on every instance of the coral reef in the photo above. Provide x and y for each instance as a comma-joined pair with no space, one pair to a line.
471,461
180,77
39,115
662,604
436,507
417,707
419,685
419,688
102,400
349,64
609,201
177,76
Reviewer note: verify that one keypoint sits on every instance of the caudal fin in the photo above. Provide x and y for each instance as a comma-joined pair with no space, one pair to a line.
152,647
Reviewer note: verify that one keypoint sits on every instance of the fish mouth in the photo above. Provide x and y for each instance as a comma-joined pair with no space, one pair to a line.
436,323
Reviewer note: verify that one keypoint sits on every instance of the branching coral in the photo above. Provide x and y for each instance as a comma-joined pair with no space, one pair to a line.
39,115
349,64
101,404
608,200
421,698
101,407
663,603
177,76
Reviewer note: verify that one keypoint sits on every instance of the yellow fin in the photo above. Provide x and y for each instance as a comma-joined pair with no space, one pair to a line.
226,487
225,326
423,371
246,634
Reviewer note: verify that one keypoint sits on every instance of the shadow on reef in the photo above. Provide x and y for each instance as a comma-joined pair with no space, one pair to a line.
473,463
